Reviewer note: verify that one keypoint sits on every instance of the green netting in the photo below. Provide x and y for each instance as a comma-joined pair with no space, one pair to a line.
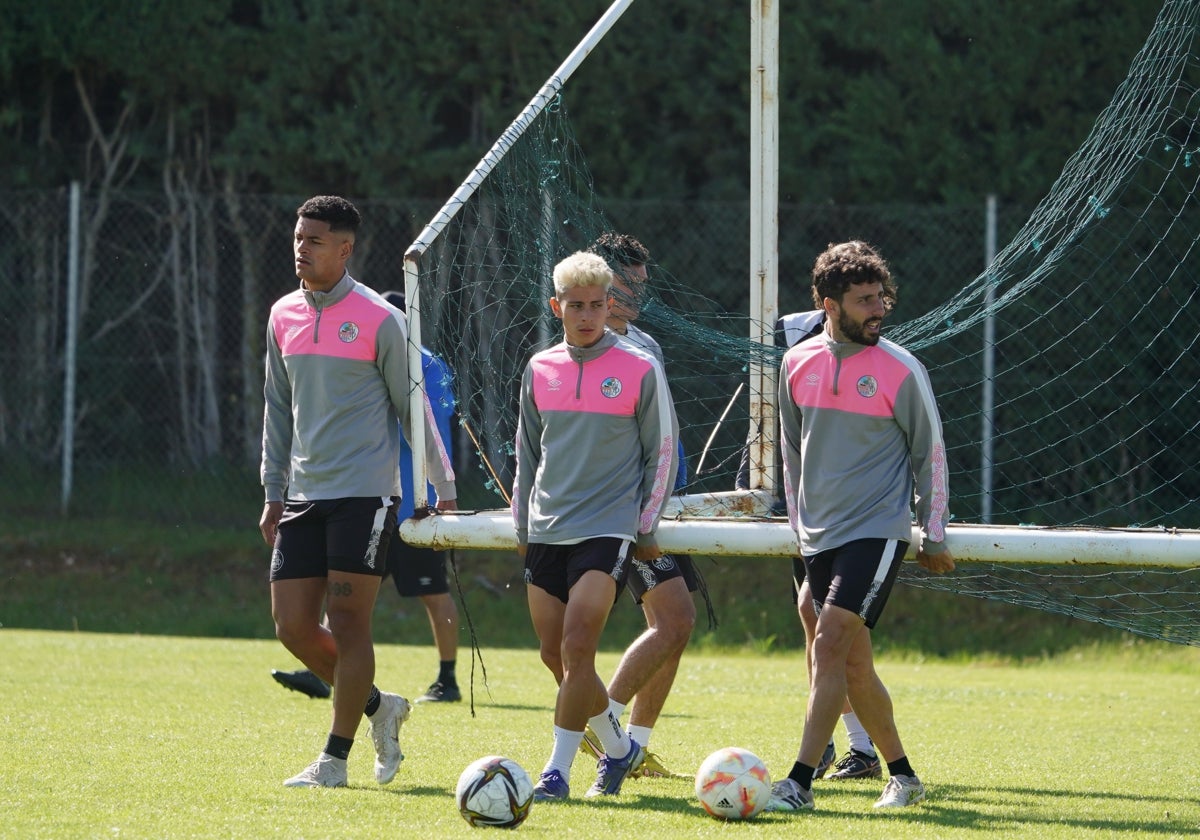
1153,602
1091,309
1094,308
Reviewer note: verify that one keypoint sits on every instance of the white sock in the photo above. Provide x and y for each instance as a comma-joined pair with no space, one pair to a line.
859,740
617,708
613,737
641,734
566,744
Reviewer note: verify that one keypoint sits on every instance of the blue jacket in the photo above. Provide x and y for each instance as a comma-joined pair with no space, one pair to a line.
439,387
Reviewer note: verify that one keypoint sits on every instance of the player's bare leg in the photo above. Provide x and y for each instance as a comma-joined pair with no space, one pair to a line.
836,631
647,670
296,607
547,613
349,608
582,694
870,698
443,621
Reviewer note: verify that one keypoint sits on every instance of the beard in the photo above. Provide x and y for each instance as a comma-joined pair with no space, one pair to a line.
856,332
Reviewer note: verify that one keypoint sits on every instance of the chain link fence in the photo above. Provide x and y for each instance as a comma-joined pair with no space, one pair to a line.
171,294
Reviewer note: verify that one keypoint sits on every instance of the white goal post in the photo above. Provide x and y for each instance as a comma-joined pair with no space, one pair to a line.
731,536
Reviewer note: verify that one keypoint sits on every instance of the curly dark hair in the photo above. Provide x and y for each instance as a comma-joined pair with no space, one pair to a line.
337,211
848,263
620,249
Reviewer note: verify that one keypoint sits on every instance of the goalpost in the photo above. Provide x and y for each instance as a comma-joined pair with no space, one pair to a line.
475,284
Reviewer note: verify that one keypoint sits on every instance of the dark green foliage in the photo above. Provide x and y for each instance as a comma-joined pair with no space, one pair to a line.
901,101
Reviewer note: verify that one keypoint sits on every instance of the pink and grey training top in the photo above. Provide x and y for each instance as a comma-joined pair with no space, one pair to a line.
596,444
336,395
861,434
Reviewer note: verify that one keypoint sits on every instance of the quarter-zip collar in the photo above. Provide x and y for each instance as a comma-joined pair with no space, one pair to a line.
583,355
320,300
840,350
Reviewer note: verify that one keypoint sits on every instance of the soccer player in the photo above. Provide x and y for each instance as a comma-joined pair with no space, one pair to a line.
861,435
336,402
596,460
417,572
860,761
663,587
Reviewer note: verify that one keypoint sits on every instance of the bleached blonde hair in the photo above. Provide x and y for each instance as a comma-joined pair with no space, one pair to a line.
582,269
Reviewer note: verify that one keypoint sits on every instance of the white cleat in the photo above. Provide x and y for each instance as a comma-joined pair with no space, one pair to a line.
900,792
787,795
385,735
326,771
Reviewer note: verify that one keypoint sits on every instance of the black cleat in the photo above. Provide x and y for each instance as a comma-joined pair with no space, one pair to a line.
441,693
827,759
306,682
858,765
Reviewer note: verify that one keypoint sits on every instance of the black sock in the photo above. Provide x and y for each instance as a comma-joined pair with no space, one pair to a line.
373,701
446,673
802,775
338,747
900,767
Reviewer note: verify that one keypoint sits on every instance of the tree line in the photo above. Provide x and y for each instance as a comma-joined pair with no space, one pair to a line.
914,101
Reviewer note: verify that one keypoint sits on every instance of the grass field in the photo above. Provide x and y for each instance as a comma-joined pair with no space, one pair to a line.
127,736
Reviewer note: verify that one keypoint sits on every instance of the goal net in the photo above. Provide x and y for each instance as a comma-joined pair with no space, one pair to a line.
1066,371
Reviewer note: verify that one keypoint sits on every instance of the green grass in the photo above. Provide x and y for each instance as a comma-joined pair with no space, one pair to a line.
155,736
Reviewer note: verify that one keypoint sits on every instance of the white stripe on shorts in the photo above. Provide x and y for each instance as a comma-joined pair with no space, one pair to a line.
881,573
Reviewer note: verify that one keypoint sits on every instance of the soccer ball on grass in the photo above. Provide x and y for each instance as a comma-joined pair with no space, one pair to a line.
494,791
733,784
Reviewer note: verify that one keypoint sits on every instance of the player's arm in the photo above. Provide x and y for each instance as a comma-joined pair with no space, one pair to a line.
917,413
277,438
528,453
659,432
790,429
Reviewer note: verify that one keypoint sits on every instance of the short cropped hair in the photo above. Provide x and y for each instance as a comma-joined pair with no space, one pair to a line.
848,263
396,299
620,249
339,213
582,269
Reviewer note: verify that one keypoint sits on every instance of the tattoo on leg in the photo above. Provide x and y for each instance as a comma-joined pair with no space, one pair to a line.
340,589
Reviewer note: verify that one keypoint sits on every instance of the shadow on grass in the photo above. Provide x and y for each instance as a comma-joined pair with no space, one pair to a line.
1019,810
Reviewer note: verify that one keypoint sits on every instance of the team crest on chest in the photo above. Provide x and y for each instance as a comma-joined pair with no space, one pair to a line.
348,331
611,387
867,386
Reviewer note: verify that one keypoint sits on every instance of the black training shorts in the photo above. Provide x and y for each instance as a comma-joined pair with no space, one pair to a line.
416,570
645,576
556,568
340,535
857,576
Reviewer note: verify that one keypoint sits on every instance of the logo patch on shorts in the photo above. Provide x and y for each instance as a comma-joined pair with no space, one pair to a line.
276,560
665,563
611,387
649,579
867,386
348,331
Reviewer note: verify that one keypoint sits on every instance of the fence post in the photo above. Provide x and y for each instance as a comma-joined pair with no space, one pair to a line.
989,367
69,350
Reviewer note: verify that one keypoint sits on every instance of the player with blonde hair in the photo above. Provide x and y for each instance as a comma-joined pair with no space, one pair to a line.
595,445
